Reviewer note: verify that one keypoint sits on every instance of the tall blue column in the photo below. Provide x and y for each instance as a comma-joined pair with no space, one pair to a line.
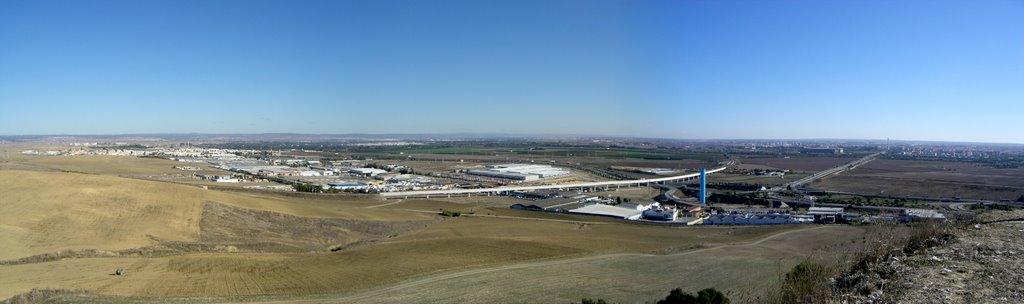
703,187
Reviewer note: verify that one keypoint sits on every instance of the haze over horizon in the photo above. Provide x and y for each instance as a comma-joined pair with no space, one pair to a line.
908,70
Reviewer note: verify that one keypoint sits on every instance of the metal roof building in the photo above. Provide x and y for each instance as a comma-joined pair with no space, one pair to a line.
608,210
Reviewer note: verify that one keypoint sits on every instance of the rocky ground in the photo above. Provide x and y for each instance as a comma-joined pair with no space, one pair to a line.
984,264
978,263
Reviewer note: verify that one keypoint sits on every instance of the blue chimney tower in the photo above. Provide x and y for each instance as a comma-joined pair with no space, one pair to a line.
703,187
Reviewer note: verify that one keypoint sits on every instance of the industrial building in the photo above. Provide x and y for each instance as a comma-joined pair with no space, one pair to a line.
520,172
826,214
608,210
756,219
660,214
366,171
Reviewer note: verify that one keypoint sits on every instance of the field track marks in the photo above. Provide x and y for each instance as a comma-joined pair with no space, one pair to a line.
384,204
370,294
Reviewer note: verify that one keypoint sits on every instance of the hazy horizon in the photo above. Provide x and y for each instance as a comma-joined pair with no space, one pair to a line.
412,136
908,70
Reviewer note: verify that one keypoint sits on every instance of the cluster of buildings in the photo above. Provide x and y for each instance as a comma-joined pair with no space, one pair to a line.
821,151
768,172
755,218
520,172
89,152
565,202
652,171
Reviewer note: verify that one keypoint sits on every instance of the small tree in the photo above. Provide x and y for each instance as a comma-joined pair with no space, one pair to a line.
677,296
704,296
711,296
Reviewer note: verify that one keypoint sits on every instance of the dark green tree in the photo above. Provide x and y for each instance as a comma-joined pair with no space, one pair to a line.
677,296
704,296
711,296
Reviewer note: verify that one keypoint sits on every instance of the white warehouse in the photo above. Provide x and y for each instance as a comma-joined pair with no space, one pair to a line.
523,172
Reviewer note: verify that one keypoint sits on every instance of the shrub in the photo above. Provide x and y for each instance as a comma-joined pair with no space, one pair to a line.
704,296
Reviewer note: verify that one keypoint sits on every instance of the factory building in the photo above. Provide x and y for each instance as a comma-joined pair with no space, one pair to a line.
826,214
520,172
366,171
608,210
659,214
754,219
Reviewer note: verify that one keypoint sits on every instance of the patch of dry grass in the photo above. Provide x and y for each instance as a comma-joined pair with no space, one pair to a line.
44,212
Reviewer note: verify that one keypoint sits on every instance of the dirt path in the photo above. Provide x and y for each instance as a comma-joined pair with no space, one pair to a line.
366,295
385,204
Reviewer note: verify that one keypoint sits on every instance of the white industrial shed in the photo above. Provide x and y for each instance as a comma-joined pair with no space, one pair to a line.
608,210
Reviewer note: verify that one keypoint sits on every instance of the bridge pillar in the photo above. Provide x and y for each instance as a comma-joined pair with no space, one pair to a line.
703,189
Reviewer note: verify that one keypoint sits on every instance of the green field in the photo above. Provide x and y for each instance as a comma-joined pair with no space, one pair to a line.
564,152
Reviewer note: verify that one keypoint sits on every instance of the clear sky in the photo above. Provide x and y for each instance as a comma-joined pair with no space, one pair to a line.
920,70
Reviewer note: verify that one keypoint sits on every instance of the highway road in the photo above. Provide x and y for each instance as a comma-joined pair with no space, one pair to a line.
816,176
638,182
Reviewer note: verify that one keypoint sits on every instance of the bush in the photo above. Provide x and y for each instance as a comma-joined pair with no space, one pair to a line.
450,213
704,296
832,278
806,283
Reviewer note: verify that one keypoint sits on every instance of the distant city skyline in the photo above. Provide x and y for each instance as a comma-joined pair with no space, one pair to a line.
907,70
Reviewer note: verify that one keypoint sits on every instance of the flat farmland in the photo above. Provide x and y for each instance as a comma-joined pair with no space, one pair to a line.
118,165
800,163
756,180
595,158
928,178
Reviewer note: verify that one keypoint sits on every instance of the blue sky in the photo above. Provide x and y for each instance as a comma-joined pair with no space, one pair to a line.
916,70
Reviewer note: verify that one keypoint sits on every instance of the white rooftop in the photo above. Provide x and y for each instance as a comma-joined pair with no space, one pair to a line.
602,209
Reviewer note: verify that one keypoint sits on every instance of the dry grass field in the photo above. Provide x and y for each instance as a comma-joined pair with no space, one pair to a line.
928,178
444,270
43,212
116,165
743,271
133,167
184,241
